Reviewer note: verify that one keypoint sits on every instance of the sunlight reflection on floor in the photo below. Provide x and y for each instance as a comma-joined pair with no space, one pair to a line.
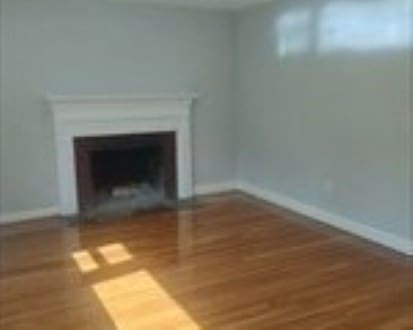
85,262
115,253
137,301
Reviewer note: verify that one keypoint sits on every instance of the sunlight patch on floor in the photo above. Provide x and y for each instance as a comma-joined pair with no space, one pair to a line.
138,301
115,253
85,261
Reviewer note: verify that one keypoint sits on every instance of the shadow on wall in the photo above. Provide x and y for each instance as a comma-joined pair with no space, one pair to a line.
344,26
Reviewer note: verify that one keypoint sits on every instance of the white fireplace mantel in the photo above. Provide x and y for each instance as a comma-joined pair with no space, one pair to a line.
106,115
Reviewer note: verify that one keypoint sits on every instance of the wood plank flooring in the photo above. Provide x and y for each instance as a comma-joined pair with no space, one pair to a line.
224,262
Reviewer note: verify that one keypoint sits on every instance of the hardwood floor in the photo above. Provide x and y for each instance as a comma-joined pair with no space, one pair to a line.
225,262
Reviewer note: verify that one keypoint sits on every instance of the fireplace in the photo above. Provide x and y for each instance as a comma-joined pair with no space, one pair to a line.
125,172
116,146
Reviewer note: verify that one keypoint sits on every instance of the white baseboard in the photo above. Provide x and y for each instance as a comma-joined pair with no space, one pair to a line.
392,241
215,188
378,236
14,217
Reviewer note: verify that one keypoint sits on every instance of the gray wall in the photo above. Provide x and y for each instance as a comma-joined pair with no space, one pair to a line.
322,116
1,105
83,47
324,106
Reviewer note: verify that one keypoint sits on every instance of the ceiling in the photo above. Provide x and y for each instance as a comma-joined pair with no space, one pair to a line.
206,4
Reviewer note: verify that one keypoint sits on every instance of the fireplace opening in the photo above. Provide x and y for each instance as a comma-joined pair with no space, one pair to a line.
125,173
116,171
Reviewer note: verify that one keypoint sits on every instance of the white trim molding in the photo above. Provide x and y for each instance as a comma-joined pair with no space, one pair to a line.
8,218
215,188
410,249
391,241
106,115
122,99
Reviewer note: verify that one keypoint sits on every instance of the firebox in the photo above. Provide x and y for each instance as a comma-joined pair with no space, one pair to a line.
125,171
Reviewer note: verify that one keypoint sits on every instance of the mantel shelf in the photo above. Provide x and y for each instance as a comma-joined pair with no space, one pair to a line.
124,99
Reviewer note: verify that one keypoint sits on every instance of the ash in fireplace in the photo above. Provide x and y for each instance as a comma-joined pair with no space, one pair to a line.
127,199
